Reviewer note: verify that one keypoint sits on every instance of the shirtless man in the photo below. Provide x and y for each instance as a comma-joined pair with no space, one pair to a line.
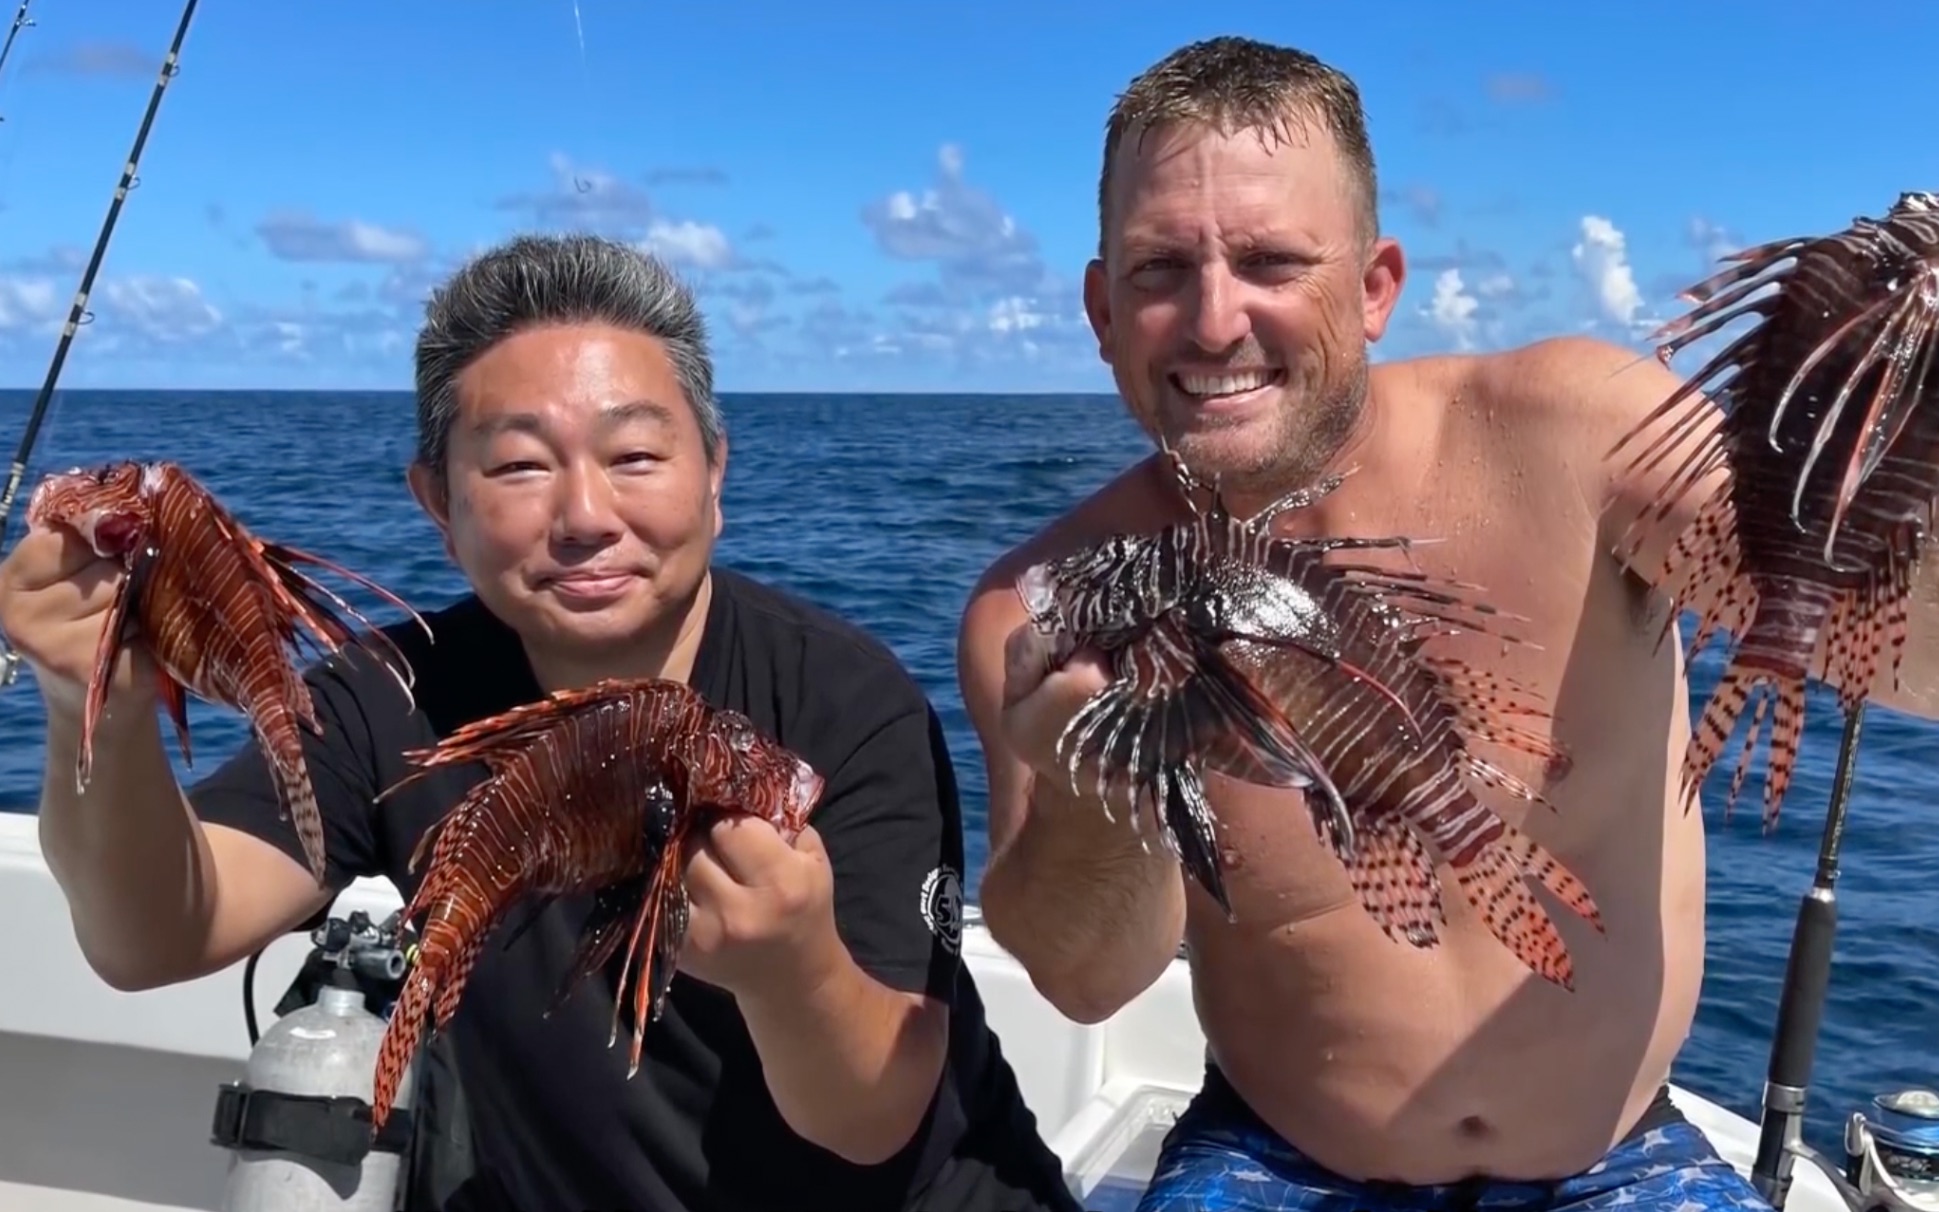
1240,280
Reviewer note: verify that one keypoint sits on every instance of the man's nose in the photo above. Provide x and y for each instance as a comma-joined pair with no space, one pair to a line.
1218,309
586,515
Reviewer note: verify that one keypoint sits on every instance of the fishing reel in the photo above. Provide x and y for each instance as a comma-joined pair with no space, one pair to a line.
1891,1157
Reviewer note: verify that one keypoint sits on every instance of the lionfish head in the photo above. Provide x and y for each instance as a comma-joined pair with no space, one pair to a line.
1098,589
743,769
105,505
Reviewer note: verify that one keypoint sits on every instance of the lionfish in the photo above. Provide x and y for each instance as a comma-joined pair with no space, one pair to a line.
1251,655
1826,432
593,790
217,609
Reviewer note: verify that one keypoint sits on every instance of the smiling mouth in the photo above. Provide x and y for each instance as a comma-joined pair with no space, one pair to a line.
1222,385
588,583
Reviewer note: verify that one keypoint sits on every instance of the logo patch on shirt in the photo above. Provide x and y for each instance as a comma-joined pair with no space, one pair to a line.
942,906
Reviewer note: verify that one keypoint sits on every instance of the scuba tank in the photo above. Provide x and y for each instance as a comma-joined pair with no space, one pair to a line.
298,1124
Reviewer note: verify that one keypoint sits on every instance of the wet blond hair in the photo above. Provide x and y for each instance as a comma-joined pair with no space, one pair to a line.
1237,84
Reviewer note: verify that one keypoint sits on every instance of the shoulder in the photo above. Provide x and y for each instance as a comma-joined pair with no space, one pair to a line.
835,673
1579,384
1566,403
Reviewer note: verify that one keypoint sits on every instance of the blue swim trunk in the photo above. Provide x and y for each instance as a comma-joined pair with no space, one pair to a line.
1221,1157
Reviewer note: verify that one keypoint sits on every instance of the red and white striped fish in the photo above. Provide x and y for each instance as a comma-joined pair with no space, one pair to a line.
595,790
1825,438
1236,651
216,608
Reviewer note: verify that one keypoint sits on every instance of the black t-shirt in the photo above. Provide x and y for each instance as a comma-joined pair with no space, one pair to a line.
553,1121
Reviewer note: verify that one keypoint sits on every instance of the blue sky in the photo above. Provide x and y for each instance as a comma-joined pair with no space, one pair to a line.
891,197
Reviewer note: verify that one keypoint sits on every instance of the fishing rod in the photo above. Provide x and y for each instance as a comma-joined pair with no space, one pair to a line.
20,21
1879,1156
78,314
1801,1002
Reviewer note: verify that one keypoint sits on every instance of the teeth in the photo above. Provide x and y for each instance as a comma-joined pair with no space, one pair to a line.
1225,384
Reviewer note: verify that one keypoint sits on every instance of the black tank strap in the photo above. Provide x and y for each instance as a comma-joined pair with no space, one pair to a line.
328,1129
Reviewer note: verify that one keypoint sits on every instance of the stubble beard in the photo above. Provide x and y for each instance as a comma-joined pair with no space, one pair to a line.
1305,440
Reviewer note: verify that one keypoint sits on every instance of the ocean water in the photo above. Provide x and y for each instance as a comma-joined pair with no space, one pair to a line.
886,508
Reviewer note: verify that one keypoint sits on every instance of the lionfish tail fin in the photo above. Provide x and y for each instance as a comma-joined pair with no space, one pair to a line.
1496,884
1394,879
278,736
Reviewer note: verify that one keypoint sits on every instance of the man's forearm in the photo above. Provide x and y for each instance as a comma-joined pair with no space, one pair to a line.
852,1065
1089,912
127,853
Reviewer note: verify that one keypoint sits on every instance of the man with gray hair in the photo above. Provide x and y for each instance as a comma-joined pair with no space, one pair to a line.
822,1046
1240,279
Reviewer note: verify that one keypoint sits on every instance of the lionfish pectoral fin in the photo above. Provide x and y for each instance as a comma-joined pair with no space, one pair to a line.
1192,829
115,627
614,907
1394,879
1332,656
653,949
1284,759
534,910
1713,730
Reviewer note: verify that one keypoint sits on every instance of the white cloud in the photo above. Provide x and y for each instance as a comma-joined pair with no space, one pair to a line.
170,310
981,250
299,236
1452,309
1602,259
689,244
31,302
